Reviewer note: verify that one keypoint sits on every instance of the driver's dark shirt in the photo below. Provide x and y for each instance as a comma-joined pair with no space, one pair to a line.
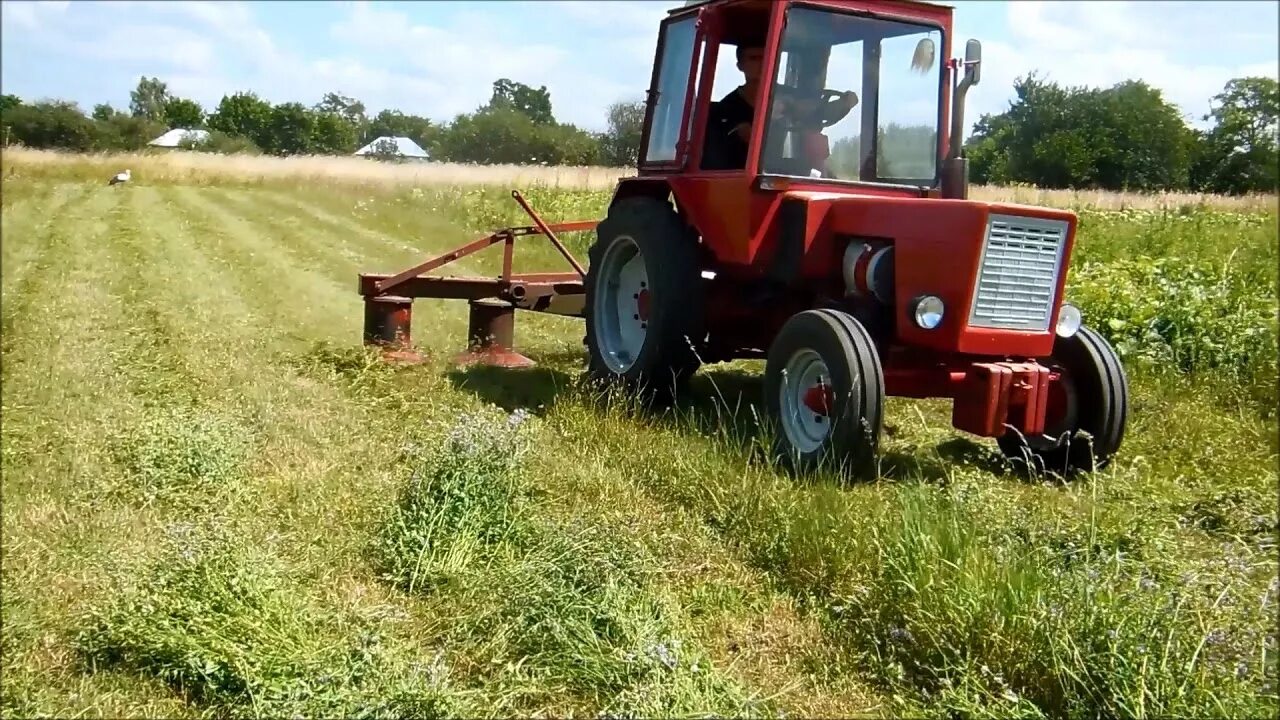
724,149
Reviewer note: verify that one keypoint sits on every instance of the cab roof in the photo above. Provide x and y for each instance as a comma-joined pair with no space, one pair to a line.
695,3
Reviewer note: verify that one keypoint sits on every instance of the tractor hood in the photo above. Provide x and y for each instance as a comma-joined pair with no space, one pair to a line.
999,268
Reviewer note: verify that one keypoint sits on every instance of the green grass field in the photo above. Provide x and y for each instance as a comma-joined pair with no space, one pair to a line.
216,504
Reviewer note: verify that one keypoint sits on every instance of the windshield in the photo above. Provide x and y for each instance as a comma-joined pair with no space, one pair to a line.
844,78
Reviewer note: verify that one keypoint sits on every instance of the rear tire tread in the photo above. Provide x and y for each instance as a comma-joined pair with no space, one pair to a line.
671,262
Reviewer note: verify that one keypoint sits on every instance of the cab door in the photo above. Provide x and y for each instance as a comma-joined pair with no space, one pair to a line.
664,147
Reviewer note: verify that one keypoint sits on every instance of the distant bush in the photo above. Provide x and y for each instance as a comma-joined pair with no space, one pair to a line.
222,143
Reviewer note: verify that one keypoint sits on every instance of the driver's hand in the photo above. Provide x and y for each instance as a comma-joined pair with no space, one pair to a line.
807,107
848,99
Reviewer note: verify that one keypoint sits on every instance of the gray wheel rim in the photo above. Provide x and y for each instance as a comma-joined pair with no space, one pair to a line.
805,429
621,317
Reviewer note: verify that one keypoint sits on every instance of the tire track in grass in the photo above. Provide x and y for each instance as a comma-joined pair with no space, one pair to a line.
20,203
312,304
316,241
391,245
754,629
301,302
333,461
29,252
67,389
439,325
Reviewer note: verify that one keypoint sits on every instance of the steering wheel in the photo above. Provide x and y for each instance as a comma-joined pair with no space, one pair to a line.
817,119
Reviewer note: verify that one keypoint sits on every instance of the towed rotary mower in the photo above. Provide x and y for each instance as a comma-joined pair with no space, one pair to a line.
857,268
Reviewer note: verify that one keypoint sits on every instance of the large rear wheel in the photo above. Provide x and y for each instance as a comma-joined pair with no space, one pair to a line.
1087,410
824,390
643,298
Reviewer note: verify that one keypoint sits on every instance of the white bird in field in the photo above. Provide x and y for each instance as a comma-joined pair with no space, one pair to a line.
119,178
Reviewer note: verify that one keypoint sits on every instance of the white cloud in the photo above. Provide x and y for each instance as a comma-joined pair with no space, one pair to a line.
30,15
380,55
1186,50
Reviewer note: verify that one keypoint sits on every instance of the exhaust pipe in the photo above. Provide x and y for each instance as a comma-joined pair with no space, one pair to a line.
955,169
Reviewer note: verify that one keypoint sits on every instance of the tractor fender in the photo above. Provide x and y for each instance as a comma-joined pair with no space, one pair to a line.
656,188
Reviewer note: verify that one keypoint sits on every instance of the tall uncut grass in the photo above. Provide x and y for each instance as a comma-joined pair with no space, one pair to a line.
165,166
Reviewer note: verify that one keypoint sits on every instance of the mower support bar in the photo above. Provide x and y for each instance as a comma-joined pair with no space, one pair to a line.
507,235
517,290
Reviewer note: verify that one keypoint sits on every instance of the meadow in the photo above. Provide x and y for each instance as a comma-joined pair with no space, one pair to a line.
217,503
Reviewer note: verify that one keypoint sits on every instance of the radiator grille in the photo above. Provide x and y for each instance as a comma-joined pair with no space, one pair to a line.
1018,273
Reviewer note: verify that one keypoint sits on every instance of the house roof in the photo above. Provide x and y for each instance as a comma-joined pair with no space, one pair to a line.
404,146
177,135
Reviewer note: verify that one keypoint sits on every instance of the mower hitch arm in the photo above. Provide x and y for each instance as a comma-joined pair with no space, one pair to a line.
506,235
551,235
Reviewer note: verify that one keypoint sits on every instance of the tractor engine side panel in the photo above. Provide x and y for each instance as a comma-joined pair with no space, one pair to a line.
936,245
938,248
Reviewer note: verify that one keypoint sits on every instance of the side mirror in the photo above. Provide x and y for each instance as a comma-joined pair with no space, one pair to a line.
973,61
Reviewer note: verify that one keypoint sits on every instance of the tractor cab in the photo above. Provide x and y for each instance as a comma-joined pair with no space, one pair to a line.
843,91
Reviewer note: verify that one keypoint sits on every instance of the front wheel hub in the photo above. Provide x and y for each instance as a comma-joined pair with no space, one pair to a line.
807,401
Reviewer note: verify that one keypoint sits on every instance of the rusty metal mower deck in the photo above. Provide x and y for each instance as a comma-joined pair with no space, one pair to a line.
492,300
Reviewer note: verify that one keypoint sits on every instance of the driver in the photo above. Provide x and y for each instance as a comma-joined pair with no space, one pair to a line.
729,122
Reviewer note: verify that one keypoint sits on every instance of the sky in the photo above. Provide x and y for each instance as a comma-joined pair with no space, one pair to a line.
439,59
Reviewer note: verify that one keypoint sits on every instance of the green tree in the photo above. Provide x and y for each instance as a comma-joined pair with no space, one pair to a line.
1126,137
1240,154
123,132
245,115
221,143
51,124
103,112
334,134
290,130
393,123
535,104
149,98
183,113
349,108
8,102
386,150
620,144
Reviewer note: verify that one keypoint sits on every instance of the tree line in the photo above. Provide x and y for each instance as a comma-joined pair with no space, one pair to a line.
515,126
1128,137
1125,137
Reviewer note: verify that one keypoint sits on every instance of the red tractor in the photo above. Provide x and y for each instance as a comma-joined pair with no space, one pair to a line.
801,197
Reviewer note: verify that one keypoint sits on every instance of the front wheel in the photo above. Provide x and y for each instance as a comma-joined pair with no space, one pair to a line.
824,389
1092,396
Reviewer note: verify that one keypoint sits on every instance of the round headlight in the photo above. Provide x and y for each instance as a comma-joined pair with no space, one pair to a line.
928,312
1068,320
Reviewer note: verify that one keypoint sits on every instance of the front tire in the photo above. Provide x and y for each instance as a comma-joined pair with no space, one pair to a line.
824,389
643,309
1093,397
